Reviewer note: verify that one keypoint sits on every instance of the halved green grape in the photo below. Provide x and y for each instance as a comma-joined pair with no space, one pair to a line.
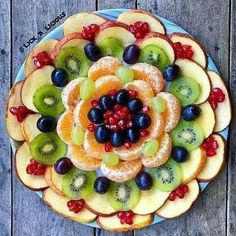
158,104
125,74
111,158
150,148
87,89
77,135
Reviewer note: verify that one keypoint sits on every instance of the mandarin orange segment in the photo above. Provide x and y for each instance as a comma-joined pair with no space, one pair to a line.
162,154
81,159
104,66
157,124
145,92
80,113
123,171
172,112
64,126
150,74
92,147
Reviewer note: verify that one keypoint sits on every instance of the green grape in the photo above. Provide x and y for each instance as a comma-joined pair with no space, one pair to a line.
158,104
125,74
150,148
110,158
87,89
77,135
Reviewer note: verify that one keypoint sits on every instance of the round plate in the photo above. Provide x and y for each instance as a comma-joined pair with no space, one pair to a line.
112,14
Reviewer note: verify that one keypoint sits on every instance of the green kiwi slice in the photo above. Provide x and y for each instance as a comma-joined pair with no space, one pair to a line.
74,61
47,100
123,196
77,184
111,47
47,148
187,134
167,177
155,56
185,89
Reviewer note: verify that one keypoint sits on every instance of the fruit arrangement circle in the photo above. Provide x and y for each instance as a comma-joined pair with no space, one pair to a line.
141,98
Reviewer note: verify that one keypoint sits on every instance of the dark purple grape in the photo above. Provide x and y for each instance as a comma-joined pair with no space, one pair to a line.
63,165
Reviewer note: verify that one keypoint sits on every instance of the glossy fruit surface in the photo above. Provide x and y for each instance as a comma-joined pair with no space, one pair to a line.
92,52
106,102
183,51
46,124
77,135
131,54
35,168
191,112
125,74
142,121
117,139
87,89
144,181
135,105
132,135
158,104
110,159
122,96
63,165
180,154
59,77
42,59
101,134
150,148
101,184
170,73
95,115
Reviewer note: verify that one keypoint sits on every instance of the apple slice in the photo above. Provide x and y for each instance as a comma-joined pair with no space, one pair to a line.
206,120
22,159
59,204
13,100
159,40
150,201
112,223
132,16
29,127
117,30
194,71
199,54
193,166
223,112
214,164
34,81
45,45
179,206
99,205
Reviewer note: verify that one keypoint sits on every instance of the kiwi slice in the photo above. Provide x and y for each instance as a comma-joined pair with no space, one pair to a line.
77,184
111,47
123,196
167,177
185,89
187,134
74,61
47,148
47,100
155,56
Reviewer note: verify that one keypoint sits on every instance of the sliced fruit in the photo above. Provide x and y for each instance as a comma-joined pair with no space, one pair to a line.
223,112
162,154
179,206
193,166
116,30
206,120
22,159
81,159
194,71
64,126
87,88
47,148
76,22
150,74
199,54
29,127
123,171
150,201
132,16
46,46
214,164
104,66
157,125
112,223
77,184
14,100
187,134
33,82
59,204
99,205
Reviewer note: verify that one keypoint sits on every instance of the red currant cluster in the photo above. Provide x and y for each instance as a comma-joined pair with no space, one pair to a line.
75,205
42,59
183,51
179,192
139,29
126,217
89,32
210,145
216,96
35,168
20,112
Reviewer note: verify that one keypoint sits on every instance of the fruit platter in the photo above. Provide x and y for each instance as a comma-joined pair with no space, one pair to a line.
118,119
